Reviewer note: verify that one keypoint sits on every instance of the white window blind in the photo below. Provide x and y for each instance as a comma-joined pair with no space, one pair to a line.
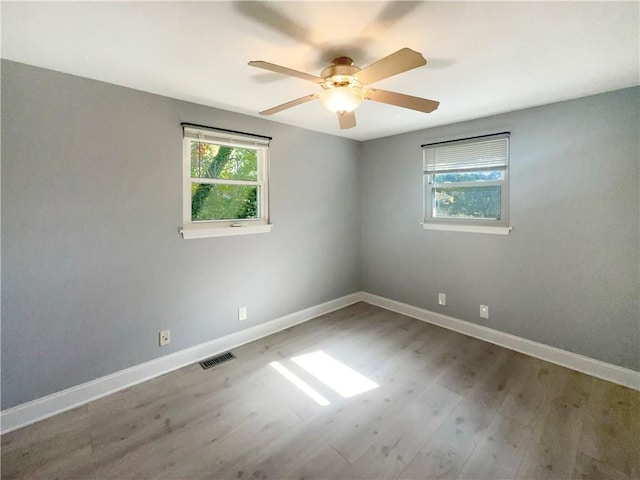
492,153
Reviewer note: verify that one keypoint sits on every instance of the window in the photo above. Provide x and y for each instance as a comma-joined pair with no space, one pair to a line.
466,184
225,183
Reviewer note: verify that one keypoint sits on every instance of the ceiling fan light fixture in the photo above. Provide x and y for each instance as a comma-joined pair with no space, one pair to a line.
342,99
345,85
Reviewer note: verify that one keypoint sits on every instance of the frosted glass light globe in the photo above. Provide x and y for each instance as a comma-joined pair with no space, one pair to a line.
342,99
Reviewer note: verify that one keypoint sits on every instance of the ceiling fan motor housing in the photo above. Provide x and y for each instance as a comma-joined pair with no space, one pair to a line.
340,74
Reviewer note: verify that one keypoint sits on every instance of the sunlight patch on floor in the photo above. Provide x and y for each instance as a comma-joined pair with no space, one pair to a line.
336,375
301,384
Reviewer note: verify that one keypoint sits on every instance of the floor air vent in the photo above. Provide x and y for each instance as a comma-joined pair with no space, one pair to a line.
213,361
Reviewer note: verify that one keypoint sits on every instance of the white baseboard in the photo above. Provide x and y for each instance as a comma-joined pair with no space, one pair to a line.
606,371
41,408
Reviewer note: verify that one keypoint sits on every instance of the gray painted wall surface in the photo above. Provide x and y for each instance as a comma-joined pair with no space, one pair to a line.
568,273
93,266
92,262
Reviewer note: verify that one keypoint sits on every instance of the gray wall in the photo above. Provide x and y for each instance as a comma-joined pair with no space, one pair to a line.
568,273
93,266
92,262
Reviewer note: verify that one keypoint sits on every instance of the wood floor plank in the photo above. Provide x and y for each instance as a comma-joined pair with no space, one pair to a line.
48,449
557,431
448,450
473,357
499,454
588,468
445,406
204,447
399,388
612,427
243,447
116,430
320,462
528,399
400,441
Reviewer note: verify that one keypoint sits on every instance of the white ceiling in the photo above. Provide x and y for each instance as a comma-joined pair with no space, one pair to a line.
484,57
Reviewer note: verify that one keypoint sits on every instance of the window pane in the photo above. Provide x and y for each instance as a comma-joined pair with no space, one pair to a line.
466,202
223,202
220,161
455,177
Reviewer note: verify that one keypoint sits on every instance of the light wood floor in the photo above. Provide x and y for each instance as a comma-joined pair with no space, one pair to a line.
447,406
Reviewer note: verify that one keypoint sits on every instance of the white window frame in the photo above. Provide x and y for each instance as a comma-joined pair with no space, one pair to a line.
216,228
467,155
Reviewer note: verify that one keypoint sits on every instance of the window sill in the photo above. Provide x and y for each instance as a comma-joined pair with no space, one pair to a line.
206,231
468,228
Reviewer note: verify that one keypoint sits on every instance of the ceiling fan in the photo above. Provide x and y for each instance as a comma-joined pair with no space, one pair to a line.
346,85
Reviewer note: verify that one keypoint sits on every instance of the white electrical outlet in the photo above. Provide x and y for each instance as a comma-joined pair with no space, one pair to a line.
484,311
165,337
442,299
242,313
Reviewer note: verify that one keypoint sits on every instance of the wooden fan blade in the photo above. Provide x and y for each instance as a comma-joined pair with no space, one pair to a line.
286,71
346,120
402,100
401,61
292,103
